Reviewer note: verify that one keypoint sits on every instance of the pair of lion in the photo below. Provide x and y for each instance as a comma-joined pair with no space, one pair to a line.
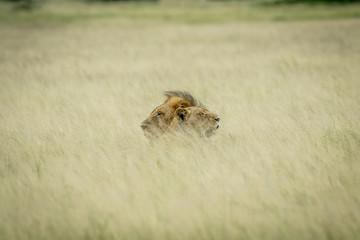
180,112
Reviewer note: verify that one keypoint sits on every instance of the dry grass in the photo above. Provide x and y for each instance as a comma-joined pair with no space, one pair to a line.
75,164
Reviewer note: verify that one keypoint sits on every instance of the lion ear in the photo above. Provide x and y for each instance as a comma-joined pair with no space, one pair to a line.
185,104
181,104
181,114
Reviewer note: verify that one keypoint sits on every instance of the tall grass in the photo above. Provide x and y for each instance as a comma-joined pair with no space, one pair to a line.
74,163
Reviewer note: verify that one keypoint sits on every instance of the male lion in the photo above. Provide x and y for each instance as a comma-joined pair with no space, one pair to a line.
195,120
162,116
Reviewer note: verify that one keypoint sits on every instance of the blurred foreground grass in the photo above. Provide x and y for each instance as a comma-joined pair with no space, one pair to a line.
188,12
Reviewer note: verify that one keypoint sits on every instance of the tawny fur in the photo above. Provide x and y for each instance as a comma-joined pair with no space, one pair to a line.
195,120
162,116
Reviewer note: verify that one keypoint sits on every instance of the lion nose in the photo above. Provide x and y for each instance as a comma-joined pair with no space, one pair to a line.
217,119
143,126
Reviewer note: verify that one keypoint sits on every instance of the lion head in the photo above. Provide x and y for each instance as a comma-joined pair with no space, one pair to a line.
161,117
196,119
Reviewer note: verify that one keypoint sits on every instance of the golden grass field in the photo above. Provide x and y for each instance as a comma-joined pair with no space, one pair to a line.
74,163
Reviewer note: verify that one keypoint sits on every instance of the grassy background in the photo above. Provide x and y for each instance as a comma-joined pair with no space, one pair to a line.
176,12
75,164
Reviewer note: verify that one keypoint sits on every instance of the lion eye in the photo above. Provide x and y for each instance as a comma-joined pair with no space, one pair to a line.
157,115
202,114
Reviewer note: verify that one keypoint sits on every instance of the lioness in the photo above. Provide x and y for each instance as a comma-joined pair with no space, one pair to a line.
161,117
195,119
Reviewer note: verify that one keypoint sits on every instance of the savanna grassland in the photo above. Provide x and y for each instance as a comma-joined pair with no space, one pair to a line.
76,81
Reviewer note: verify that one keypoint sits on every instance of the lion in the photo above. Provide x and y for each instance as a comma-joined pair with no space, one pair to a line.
161,117
195,120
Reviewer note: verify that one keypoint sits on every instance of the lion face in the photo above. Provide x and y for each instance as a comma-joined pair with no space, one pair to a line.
160,118
197,119
158,121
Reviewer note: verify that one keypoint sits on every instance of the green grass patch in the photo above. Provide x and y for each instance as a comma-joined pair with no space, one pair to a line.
208,12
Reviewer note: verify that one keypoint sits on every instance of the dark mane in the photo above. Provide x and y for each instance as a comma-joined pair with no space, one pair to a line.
186,96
